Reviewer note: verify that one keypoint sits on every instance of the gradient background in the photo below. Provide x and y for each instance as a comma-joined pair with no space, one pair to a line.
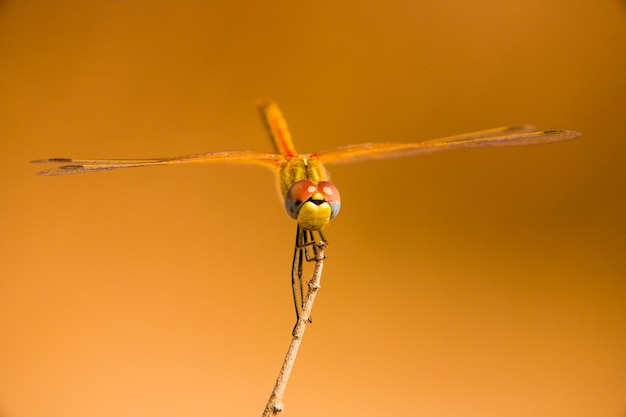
478,283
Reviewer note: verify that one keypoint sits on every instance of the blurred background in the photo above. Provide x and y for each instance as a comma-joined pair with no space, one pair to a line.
478,283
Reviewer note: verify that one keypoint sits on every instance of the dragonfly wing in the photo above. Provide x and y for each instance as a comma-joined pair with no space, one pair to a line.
369,151
489,133
276,127
79,166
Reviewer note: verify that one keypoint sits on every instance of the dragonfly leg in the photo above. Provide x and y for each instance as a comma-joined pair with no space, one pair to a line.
296,271
306,249
312,246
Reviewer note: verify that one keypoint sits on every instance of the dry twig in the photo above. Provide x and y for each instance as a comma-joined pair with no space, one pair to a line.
275,403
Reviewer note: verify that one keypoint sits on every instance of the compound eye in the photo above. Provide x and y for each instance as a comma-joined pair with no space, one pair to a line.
331,195
297,195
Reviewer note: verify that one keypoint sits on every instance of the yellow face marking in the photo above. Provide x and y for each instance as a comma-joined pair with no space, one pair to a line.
313,216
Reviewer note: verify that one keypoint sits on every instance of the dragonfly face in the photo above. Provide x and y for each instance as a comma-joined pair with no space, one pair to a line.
312,205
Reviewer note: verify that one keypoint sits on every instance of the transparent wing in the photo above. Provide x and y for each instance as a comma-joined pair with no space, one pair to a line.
79,166
504,136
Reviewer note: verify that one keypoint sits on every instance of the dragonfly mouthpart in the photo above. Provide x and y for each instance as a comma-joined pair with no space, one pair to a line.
317,200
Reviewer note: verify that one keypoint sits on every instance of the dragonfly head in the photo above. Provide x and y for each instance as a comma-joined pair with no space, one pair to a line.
312,205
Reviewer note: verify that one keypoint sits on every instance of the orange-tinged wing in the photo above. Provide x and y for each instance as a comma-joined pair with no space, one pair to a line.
79,166
505,136
276,127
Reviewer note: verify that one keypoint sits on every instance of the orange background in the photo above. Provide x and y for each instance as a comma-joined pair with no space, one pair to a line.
478,283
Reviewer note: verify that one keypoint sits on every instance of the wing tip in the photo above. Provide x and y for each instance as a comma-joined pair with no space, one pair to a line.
563,134
51,161
63,170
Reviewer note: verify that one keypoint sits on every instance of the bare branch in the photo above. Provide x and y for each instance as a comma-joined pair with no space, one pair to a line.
275,404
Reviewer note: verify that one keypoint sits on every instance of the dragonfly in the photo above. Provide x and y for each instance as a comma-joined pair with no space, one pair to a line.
309,196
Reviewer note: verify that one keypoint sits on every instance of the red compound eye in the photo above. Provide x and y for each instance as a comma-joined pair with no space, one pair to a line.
331,195
297,195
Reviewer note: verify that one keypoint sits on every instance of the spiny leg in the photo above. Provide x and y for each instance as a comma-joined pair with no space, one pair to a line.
306,248
296,271
314,246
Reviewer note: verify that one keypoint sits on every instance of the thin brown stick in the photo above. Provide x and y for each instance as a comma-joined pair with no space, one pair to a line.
275,403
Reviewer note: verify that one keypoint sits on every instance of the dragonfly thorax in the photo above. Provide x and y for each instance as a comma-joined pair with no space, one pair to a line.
312,205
